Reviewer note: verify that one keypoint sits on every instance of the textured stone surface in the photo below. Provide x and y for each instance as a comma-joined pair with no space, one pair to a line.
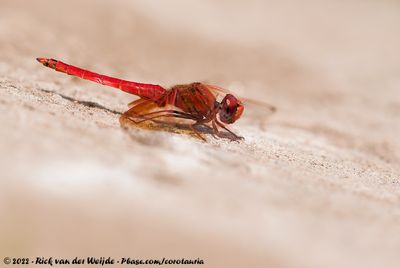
316,185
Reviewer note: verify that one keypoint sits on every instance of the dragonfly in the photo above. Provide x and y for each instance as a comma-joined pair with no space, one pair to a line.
195,101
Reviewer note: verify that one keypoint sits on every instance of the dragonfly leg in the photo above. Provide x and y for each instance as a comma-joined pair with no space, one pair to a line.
192,127
157,114
138,118
224,127
215,130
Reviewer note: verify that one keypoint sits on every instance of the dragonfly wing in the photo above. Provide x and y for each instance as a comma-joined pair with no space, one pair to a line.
147,109
223,91
140,107
136,102
218,91
264,107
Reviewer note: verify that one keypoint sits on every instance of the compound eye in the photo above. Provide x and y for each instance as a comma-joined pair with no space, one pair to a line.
230,103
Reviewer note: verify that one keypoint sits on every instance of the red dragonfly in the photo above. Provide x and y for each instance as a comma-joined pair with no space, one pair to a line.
195,101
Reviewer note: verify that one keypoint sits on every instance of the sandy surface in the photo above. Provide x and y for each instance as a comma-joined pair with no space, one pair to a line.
316,185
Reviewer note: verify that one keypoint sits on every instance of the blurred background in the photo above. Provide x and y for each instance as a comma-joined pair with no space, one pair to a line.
315,185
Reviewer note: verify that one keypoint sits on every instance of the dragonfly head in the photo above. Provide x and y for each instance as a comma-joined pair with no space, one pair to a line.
230,109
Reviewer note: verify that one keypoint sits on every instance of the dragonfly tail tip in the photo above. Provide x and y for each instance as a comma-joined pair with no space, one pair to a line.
41,60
